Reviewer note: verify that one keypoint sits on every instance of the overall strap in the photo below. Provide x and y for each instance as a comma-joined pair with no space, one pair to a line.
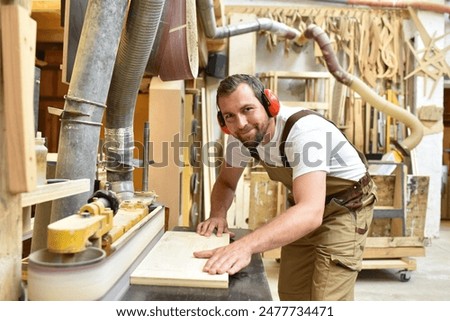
287,128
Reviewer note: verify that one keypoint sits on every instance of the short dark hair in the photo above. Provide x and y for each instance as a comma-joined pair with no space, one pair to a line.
228,85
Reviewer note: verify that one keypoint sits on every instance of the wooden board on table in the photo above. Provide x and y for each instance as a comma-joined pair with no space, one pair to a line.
171,262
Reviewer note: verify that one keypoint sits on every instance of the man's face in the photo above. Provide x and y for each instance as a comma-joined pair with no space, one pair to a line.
244,115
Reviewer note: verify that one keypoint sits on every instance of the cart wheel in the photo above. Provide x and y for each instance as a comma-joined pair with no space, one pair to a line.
405,276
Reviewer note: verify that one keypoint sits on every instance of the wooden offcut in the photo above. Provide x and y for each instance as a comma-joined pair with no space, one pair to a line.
263,199
18,50
384,247
171,262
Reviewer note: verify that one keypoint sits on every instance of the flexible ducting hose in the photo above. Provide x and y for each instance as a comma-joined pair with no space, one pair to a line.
85,100
367,93
134,50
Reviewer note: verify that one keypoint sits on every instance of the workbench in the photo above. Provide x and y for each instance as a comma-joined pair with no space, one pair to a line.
250,284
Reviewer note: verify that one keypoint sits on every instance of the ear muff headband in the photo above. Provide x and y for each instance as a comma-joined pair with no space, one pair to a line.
222,124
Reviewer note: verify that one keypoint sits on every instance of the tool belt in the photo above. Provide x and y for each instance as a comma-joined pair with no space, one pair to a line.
351,197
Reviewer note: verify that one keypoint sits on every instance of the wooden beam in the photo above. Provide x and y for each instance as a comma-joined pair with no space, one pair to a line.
49,192
48,17
392,252
398,241
46,6
18,48
403,263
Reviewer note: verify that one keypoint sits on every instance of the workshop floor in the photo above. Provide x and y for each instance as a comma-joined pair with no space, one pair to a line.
429,282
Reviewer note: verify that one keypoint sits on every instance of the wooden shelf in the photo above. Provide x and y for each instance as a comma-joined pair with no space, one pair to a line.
49,192
400,263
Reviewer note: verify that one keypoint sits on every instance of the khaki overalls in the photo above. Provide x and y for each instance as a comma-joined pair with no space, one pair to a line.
324,264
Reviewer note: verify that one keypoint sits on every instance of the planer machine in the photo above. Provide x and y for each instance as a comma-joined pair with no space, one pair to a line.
90,254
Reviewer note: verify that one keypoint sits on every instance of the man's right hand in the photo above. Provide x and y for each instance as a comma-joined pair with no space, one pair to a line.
206,228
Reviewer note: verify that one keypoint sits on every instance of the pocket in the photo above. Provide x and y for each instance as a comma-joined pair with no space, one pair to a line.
364,215
351,263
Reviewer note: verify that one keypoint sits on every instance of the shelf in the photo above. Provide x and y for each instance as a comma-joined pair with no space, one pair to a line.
49,192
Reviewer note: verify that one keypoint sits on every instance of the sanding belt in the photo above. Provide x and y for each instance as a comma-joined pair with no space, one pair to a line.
180,60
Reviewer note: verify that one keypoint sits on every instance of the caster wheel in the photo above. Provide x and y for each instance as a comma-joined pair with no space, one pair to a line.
405,276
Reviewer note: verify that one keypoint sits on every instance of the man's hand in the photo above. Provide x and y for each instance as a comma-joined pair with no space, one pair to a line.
206,228
227,259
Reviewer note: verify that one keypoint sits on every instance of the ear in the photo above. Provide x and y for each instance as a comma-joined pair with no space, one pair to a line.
273,107
222,124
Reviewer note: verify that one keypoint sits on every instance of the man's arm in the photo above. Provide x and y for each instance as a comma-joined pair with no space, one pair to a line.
297,221
221,198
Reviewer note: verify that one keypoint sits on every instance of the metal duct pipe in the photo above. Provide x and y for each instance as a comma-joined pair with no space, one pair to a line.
134,50
206,12
86,98
383,105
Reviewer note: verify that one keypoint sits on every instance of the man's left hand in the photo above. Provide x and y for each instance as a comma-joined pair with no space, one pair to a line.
227,259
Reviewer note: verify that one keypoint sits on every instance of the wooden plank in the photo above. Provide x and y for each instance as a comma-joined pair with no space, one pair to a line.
297,75
207,183
394,242
49,192
18,49
73,22
307,104
263,199
358,125
404,263
416,205
46,6
171,262
392,252
350,118
165,173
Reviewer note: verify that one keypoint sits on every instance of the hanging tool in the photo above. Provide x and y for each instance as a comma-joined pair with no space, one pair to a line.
368,94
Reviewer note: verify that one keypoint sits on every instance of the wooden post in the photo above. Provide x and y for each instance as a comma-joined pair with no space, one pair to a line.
18,55
10,208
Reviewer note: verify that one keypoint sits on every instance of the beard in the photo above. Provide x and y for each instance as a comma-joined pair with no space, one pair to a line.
252,142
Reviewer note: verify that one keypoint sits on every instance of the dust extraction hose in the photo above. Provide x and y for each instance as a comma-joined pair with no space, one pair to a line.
86,98
133,54
367,93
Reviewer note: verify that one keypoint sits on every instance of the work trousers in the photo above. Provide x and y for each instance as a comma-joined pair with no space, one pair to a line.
324,265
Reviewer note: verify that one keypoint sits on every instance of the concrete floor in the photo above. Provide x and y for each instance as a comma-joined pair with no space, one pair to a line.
429,282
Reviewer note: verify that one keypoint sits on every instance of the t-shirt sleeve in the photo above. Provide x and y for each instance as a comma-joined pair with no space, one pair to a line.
306,148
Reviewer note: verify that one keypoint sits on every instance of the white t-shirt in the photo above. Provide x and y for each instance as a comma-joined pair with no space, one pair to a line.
313,144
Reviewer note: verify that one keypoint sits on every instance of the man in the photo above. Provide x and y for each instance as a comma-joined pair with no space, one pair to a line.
323,232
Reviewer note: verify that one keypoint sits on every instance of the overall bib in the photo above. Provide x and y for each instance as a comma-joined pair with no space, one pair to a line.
324,264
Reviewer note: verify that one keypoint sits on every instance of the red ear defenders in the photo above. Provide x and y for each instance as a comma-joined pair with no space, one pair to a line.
269,101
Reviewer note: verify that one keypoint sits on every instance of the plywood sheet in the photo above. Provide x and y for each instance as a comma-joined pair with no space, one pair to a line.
171,262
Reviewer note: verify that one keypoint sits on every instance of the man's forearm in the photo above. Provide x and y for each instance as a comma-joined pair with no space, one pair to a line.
284,229
221,199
